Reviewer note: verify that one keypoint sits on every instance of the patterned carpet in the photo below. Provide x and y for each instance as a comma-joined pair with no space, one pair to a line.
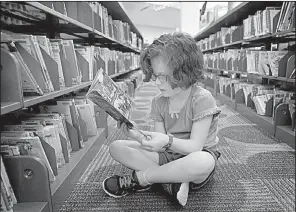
255,172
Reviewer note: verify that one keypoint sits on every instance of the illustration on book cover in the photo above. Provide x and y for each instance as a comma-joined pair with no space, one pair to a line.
107,95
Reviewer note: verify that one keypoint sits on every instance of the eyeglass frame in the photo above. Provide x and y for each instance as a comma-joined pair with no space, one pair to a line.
160,77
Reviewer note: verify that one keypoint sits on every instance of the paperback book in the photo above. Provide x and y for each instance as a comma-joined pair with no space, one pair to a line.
105,93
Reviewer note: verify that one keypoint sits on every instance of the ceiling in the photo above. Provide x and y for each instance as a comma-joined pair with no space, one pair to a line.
158,14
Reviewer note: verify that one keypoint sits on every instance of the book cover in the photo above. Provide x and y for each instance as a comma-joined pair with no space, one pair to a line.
105,93
55,53
85,113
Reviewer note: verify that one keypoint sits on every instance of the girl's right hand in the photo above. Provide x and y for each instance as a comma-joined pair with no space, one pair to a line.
132,133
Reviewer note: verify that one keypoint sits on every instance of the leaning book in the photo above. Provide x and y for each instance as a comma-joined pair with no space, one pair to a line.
109,97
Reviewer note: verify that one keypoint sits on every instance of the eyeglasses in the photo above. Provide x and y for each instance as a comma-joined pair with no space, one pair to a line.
162,78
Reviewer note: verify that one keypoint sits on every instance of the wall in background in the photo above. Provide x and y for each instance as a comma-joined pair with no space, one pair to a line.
152,23
151,32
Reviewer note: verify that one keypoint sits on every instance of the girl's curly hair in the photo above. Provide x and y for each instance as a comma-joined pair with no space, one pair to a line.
183,56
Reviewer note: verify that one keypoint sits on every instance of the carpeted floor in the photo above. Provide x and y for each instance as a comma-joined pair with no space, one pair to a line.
255,172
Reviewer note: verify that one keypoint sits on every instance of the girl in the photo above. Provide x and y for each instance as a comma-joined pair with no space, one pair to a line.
181,152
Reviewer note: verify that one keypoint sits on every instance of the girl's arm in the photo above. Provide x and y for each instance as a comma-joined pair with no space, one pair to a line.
159,127
199,133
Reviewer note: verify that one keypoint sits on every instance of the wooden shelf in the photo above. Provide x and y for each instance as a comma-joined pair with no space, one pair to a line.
7,107
65,171
32,100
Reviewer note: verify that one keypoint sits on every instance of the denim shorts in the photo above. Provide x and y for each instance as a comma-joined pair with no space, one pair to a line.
169,155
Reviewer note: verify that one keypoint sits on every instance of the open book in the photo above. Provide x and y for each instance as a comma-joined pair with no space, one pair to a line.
107,95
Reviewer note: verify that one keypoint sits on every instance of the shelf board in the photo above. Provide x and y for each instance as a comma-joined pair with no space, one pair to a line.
30,207
283,79
7,107
124,72
76,156
234,17
32,100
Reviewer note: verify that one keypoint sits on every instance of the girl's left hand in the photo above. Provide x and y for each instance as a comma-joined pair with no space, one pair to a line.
156,141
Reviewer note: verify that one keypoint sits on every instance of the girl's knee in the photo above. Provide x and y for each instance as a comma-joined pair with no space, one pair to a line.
116,146
202,163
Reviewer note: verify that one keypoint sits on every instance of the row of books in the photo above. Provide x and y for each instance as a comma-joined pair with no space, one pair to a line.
48,65
214,12
8,199
287,17
224,36
130,82
261,23
59,126
250,61
257,94
118,62
92,14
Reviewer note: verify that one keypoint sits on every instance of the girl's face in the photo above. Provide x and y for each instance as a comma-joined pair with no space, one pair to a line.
161,73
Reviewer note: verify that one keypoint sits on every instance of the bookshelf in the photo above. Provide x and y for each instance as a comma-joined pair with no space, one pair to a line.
54,24
280,125
234,16
73,27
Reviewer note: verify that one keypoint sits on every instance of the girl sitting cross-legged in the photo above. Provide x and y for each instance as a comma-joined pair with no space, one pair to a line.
181,152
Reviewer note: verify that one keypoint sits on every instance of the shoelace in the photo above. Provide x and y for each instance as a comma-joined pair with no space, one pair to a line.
125,182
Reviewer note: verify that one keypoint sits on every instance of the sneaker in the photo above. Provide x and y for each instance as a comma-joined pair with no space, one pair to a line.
179,191
120,186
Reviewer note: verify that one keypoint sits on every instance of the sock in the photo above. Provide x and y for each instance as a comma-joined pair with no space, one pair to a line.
141,175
